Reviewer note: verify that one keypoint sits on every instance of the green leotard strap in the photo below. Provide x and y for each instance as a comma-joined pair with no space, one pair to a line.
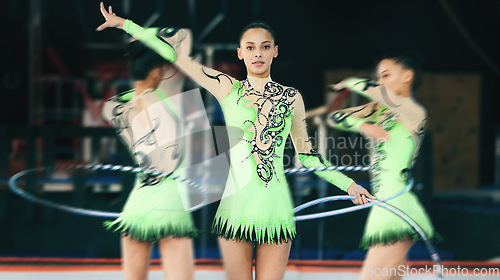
149,37
315,160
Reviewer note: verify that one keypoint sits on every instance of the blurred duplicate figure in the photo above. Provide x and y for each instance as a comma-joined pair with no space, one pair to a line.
148,124
394,122
256,210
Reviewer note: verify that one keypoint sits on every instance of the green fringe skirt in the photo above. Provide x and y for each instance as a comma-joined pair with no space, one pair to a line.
153,212
256,213
385,227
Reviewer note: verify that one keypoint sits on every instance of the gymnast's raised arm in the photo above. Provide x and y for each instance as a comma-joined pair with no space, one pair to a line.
412,114
358,119
168,42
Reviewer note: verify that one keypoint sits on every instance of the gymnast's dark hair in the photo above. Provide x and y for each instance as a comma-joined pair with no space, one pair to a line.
258,24
409,61
142,60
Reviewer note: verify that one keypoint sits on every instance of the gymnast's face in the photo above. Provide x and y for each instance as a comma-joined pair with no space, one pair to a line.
394,76
257,50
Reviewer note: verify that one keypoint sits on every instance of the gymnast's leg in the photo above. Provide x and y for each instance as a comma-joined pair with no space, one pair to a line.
403,263
136,255
177,258
237,257
382,261
271,260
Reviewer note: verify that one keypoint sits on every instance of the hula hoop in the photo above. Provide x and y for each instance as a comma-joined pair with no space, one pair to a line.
328,168
372,202
430,248
90,212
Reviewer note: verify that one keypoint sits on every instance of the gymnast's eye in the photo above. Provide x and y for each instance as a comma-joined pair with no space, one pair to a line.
250,48
266,47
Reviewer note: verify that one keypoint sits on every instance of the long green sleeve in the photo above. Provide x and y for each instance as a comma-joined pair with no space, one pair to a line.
149,37
315,160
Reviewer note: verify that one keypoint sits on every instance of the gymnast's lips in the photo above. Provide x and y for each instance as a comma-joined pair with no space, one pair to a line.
258,63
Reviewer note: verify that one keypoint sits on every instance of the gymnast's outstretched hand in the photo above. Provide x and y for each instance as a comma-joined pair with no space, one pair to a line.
360,194
112,20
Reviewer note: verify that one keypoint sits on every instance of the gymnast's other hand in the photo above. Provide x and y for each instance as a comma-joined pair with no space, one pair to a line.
360,194
374,132
112,20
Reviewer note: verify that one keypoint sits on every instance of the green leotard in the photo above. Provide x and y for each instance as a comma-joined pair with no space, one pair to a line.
256,205
404,119
155,208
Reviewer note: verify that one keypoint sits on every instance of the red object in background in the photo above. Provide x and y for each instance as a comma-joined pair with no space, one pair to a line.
338,101
18,146
112,70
